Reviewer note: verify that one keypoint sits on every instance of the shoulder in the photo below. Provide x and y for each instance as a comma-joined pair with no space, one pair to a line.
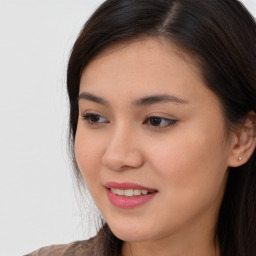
79,248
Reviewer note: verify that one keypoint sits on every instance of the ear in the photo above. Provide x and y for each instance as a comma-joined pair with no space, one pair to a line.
244,141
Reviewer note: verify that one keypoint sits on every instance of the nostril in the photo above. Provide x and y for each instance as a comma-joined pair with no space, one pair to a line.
122,159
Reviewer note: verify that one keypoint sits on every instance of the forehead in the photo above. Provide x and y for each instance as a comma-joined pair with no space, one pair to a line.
147,47
142,67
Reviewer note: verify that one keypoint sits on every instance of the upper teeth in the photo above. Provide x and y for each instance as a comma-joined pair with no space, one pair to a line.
128,192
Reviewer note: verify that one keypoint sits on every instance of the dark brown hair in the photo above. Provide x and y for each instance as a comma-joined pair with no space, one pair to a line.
221,36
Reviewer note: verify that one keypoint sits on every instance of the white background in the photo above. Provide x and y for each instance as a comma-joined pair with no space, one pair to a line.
37,201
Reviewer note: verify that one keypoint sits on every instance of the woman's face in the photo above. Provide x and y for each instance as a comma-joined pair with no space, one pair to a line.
150,142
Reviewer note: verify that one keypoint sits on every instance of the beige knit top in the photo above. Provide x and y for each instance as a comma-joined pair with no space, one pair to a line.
79,248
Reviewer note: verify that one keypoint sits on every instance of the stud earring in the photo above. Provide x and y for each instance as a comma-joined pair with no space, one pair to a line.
239,158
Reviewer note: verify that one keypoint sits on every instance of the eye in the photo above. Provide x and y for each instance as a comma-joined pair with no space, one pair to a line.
159,122
92,118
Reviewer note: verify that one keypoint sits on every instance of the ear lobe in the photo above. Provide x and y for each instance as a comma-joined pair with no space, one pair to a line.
245,142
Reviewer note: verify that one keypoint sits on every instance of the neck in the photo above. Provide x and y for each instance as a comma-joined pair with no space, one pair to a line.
130,249
199,245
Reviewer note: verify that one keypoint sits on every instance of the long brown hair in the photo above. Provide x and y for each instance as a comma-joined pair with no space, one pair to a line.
221,36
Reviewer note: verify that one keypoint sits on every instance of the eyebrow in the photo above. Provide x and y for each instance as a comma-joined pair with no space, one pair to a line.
145,101
149,100
91,97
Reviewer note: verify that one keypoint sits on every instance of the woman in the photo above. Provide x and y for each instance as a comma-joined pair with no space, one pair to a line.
162,123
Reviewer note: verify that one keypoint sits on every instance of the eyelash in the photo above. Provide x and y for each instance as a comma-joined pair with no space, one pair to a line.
88,117
150,119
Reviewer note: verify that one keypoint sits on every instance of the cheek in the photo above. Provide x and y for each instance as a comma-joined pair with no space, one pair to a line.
192,177
191,165
87,154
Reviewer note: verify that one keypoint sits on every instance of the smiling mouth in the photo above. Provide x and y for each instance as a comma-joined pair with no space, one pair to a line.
130,192
129,195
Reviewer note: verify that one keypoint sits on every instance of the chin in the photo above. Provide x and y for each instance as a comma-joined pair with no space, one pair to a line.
131,234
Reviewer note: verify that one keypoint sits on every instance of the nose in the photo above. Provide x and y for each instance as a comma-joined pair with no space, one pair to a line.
122,151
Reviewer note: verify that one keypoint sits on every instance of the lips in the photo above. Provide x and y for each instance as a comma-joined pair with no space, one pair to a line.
128,185
129,195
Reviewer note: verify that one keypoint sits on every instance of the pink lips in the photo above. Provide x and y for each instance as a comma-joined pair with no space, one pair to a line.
128,202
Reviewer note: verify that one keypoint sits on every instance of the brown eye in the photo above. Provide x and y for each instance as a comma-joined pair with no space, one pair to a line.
159,122
94,118
155,121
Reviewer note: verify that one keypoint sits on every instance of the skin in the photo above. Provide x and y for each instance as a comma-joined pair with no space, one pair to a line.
186,161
